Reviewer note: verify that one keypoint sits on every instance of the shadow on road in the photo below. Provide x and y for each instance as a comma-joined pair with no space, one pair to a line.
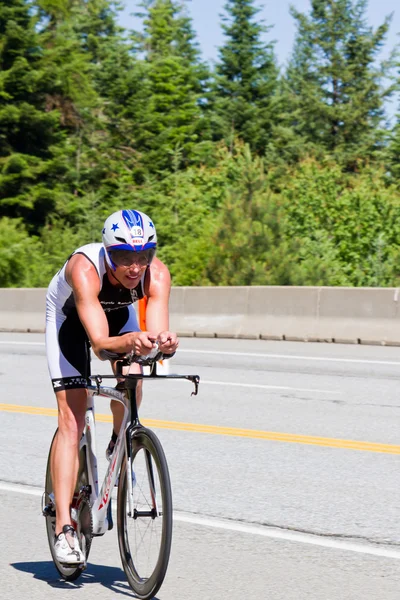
112,578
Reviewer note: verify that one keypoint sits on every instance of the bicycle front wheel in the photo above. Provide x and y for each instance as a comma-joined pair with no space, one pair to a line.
145,519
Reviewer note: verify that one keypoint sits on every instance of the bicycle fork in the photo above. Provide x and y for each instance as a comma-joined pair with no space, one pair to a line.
149,466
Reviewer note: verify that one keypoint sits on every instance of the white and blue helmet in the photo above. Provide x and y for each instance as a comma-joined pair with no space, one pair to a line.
129,230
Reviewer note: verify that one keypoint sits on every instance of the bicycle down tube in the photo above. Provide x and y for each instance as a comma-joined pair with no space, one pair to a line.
100,499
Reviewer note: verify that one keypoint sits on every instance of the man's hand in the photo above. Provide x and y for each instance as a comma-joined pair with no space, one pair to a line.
143,342
168,342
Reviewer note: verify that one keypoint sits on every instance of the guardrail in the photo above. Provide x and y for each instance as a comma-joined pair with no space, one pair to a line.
328,314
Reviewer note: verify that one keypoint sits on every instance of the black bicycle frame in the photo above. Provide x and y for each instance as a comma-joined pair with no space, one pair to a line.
130,385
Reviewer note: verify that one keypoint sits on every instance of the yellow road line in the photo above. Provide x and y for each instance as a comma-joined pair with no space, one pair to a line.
229,431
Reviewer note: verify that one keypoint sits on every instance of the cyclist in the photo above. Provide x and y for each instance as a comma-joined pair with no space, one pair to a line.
89,303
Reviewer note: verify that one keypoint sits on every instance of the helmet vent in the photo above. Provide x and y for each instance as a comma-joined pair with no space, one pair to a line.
120,239
151,237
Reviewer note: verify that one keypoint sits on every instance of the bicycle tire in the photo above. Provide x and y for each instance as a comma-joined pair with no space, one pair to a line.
49,511
147,457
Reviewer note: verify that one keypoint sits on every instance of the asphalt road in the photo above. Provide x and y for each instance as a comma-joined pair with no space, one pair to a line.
291,493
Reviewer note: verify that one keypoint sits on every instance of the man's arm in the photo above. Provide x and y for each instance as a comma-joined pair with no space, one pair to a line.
84,280
157,310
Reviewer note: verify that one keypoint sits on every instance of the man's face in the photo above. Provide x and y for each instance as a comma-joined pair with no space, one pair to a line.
130,266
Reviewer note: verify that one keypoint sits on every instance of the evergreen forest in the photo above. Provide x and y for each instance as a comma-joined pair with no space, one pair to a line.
254,173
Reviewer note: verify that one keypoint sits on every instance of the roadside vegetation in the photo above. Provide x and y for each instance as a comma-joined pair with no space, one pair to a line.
253,174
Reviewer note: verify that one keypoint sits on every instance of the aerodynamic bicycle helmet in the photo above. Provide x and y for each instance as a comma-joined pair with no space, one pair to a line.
129,230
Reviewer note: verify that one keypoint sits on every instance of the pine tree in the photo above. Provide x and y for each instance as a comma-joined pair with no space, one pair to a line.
394,152
46,102
80,40
119,79
246,78
167,108
335,92
70,67
394,145
27,129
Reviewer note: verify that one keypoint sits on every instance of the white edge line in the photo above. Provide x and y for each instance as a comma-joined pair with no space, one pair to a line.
268,387
293,357
14,342
236,384
289,536
261,386
21,489
254,355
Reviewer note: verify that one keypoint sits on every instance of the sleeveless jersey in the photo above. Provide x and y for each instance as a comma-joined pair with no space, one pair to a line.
61,297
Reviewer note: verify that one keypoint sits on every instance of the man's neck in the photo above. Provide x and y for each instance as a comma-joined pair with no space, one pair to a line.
111,277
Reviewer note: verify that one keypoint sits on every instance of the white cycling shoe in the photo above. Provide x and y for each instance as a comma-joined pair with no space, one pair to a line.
67,549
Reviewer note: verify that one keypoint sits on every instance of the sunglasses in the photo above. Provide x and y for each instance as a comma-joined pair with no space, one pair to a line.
127,258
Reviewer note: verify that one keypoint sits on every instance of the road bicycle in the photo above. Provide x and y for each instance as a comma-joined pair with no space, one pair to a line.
144,499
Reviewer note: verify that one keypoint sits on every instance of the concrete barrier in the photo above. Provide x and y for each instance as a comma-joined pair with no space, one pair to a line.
352,315
22,309
368,315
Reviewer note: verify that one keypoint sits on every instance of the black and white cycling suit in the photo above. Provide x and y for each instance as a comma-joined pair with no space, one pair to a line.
67,344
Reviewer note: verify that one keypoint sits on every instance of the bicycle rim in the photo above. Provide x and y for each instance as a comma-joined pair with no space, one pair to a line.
145,536
49,511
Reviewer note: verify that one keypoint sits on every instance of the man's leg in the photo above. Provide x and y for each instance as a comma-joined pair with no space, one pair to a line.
120,322
118,410
65,453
